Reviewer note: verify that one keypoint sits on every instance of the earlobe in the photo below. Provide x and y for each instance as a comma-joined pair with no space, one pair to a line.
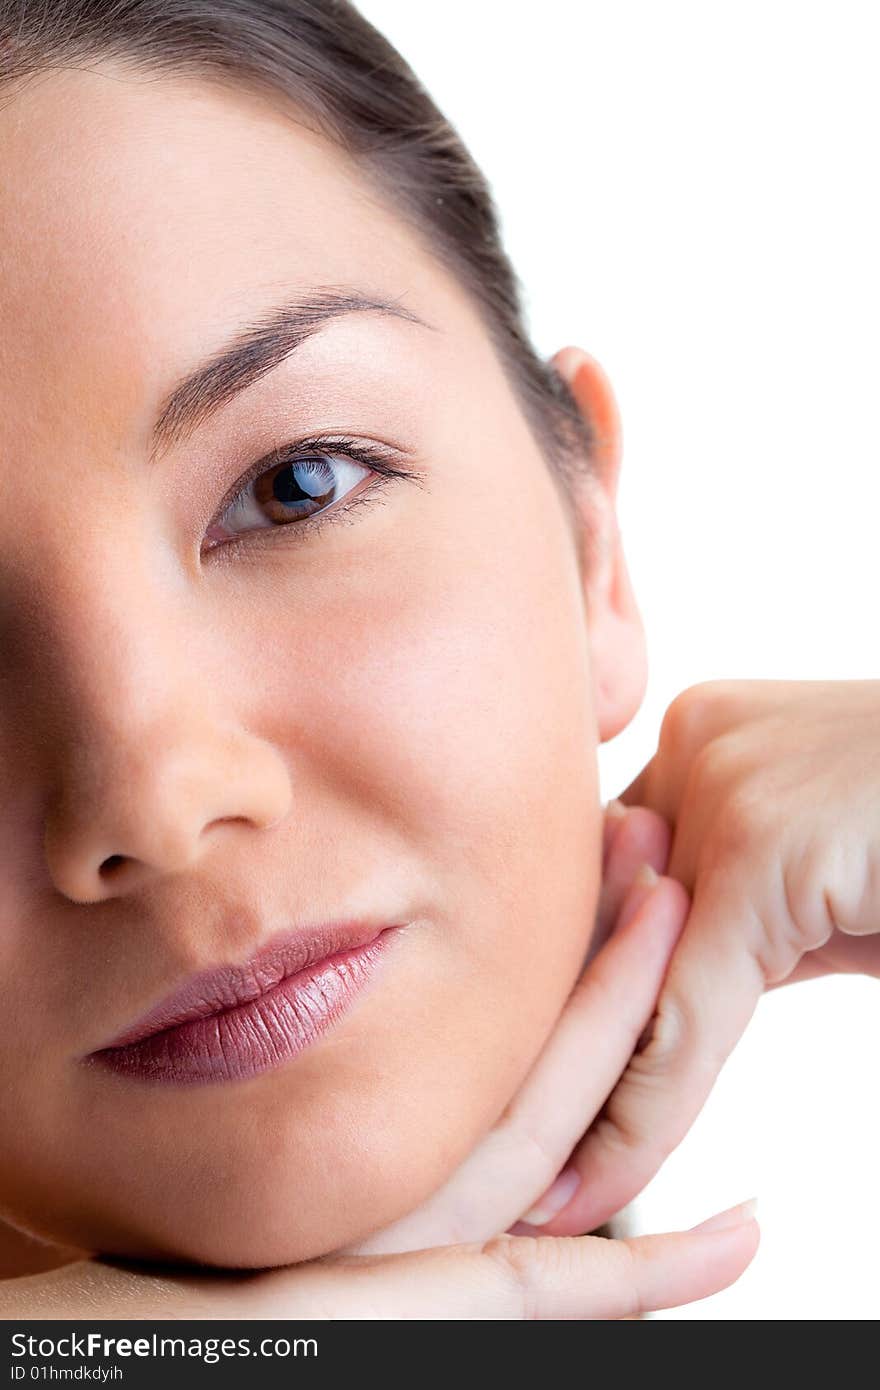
617,638
618,652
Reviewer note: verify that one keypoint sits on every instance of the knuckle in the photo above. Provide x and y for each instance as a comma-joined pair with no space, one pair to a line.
683,717
799,916
809,918
695,711
532,1265
626,1252
835,886
712,765
684,1040
630,1141
673,1028
514,1260
645,1121
690,1050
539,1156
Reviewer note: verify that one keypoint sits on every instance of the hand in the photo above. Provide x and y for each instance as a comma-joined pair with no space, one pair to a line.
507,1277
772,790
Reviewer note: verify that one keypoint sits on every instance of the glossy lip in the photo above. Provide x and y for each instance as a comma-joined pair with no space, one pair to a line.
237,1020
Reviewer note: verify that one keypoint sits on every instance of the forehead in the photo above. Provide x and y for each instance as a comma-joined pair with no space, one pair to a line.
141,216
95,159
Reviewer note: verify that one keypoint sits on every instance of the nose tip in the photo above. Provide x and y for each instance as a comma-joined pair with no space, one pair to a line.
124,870
85,875
162,820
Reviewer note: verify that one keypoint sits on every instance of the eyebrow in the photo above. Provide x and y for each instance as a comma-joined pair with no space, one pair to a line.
255,350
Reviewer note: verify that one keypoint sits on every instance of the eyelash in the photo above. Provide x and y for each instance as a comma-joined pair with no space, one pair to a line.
371,455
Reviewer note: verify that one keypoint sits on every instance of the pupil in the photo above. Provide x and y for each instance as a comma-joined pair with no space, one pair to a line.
302,483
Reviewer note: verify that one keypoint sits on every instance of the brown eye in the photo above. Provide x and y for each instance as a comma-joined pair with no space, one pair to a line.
290,491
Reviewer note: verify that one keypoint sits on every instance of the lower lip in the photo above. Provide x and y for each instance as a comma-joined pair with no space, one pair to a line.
253,1037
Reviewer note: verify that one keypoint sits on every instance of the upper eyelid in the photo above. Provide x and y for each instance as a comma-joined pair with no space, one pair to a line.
281,454
324,442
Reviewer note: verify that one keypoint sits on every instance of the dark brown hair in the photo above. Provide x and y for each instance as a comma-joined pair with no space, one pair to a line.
351,85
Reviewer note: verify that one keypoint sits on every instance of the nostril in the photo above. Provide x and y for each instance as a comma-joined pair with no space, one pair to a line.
112,863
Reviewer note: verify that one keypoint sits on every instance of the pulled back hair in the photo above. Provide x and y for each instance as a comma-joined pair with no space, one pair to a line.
350,85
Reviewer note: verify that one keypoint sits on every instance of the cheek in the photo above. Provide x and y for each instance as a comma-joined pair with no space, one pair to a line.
463,718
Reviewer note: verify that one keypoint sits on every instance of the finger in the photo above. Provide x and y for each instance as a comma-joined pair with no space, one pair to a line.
640,837
602,1021
695,717
510,1277
615,815
840,955
714,983
806,969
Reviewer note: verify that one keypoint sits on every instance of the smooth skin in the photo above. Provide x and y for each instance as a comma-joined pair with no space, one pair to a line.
395,716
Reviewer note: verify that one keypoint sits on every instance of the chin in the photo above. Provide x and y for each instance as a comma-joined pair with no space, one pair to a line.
278,1209
219,1237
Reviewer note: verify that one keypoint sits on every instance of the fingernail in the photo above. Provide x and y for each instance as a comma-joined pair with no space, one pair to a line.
643,882
554,1199
615,815
734,1216
615,809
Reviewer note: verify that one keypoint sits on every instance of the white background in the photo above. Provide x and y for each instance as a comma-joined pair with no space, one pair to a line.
689,191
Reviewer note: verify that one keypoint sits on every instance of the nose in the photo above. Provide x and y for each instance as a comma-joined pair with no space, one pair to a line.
138,726
138,803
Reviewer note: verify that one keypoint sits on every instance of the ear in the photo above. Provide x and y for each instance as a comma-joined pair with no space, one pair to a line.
617,636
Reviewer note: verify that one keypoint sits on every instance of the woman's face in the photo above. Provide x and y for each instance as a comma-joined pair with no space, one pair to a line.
391,716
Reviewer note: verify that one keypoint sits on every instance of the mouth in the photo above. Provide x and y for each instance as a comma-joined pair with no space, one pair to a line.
236,1021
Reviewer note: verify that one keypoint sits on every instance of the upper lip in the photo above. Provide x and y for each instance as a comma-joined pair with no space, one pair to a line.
226,986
